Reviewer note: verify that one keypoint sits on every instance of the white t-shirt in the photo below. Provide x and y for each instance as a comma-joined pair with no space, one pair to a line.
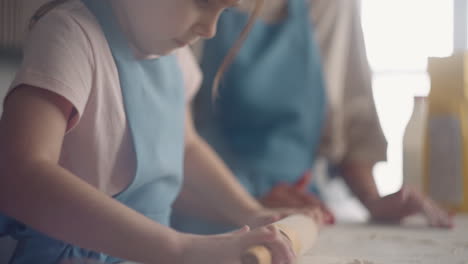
67,53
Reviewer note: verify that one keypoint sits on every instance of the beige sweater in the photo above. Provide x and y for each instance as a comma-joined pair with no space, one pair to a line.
354,131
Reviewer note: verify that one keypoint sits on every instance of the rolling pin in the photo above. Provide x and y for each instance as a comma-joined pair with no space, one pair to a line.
301,230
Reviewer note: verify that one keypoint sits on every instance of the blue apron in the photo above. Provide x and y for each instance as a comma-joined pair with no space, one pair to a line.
267,122
154,102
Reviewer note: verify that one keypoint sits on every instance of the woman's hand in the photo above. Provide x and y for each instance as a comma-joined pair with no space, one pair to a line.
229,248
408,202
296,197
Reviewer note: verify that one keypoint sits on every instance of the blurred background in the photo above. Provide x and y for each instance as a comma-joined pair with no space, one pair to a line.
400,36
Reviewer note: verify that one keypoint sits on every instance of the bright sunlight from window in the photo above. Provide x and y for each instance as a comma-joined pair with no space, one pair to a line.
400,35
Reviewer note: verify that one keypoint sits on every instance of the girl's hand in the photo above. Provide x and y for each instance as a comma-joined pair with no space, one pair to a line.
229,248
408,202
225,248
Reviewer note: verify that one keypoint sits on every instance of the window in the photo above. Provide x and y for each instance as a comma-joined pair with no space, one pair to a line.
400,35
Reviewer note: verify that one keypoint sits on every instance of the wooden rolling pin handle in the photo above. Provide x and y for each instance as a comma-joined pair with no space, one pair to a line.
301,231
262,255
257,255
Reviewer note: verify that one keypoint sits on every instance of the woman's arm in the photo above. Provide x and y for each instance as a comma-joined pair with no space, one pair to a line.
35,190
359,177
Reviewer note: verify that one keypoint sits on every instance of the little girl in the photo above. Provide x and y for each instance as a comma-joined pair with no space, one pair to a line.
95,134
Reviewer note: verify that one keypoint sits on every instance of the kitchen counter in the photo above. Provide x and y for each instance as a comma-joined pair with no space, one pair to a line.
411,243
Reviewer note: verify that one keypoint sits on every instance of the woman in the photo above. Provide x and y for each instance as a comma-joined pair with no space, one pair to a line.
275,114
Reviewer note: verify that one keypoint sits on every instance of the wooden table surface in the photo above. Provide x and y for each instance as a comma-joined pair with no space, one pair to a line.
411,243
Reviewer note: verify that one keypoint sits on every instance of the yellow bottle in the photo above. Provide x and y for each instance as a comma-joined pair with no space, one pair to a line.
446,148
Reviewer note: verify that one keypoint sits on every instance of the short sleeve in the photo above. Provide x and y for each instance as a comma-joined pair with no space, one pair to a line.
57,57
191,72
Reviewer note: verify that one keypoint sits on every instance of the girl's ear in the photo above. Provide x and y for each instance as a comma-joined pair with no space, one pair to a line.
257,8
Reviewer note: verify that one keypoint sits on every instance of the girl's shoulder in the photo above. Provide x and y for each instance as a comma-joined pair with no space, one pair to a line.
73,9
70,21
59,53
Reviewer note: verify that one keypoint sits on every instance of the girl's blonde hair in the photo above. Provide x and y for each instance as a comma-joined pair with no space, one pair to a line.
44,9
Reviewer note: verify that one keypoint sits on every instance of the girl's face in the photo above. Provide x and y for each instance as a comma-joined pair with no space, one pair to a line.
157,27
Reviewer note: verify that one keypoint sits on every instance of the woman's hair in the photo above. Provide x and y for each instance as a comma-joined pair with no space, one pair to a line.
44,9
236,47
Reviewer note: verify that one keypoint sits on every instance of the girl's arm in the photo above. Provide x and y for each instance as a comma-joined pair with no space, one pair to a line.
210,189
38,192
35,190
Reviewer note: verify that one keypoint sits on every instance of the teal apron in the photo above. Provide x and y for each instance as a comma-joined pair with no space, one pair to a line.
154,103
267,121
